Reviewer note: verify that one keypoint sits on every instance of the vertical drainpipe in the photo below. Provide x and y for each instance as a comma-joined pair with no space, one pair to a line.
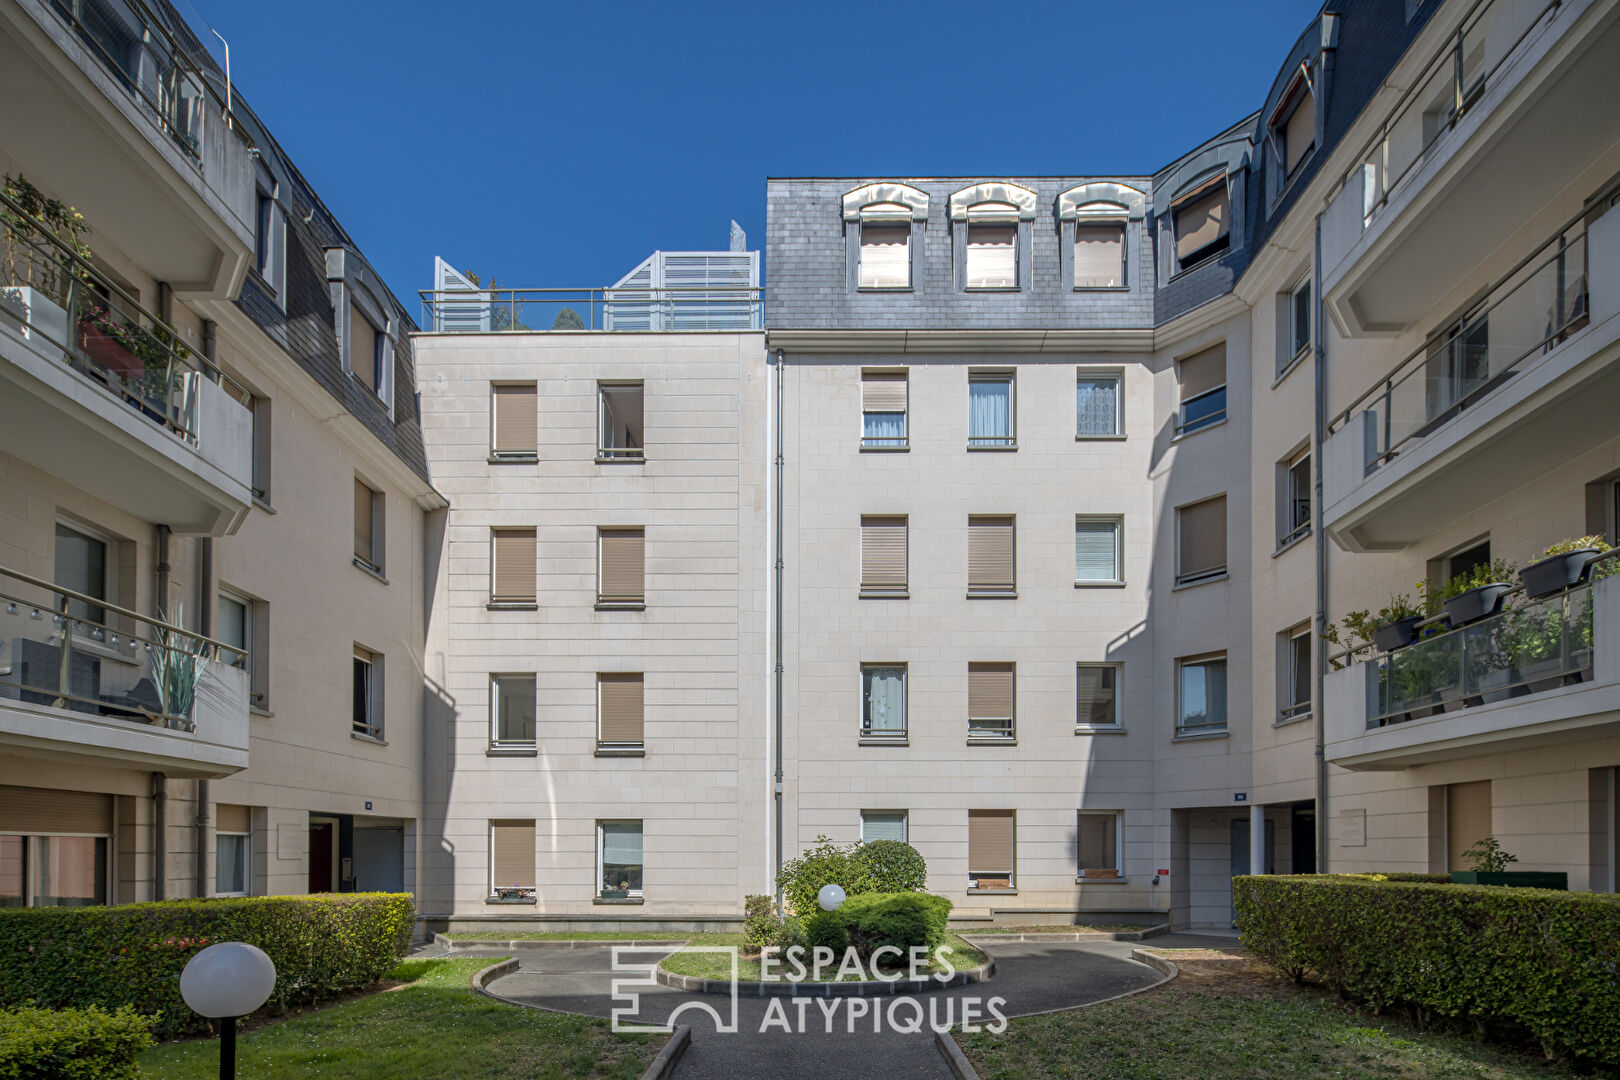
159,789
1320,543
205,626
777,787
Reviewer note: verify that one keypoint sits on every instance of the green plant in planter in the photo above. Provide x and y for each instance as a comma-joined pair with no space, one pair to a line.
1434,597
177,667
1488,856
23,264
1358,626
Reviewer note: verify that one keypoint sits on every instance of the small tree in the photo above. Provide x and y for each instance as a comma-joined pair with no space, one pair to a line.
1488,856
568,319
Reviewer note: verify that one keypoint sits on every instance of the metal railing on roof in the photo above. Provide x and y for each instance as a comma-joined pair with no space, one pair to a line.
700,308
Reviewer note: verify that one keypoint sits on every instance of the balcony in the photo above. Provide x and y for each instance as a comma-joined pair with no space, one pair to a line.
111,103
84,678
1495,112
99,392
1546,671
678,309
1523,382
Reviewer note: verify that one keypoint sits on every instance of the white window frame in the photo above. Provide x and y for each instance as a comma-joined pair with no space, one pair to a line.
1289,531
1297,350
886,734
495,740
373,728
249,645
1119,845
601,863
1118,523
377,563
1201,660
1289,705
994,215
905,823
619,453
530,892
994,442
886,215
247,863
1118,669
877,442
1117,375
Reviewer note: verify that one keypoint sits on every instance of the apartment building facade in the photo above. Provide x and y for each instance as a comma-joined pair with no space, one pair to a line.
205,688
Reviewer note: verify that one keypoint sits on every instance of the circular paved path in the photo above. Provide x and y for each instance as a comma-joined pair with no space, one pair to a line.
1030,978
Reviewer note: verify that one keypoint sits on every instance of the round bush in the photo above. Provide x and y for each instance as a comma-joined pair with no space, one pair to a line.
893,866
825,864
826,928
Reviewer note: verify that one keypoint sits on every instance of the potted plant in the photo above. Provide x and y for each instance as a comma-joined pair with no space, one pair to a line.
1562,566
1475,595
1490,864
36,279
1395,625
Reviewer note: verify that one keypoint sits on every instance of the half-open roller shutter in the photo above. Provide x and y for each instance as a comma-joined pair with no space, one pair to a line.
990,843
622,705
46,810
1468,820
883,391
1203,536
1300,133
1203,371
1202,219
511,855
230,818
990,691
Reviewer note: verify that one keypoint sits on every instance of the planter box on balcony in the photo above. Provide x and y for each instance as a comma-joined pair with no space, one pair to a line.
108,353
1476,604
1398,634
1556,573
1521,879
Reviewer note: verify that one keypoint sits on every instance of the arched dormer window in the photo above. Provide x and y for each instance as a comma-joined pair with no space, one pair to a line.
1202,219
992,217
884,222
1095,220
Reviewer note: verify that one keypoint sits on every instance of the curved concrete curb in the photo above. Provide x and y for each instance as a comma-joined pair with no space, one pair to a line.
873,988
984,938
664,1064
1154,960
961,1068
497,970
488,944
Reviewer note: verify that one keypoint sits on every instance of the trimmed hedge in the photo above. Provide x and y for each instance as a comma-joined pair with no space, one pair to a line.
72,1044
132,954
901,919
1539,959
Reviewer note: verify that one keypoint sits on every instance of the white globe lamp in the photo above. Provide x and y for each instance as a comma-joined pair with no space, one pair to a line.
831,897
223,982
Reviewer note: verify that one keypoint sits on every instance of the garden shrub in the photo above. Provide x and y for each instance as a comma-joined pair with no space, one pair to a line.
826,928
1537,959
132,954
761,925
901,919
893,866
72,1044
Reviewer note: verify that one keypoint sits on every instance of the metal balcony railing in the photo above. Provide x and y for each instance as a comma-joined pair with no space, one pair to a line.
1440,95
58,299
1527,649
693,308
1531,309
70,650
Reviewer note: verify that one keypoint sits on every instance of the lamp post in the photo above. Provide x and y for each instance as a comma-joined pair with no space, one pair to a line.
831,897
223,982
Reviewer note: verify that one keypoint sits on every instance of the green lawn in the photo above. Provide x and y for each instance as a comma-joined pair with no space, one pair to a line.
565,935
718,965
1252,1026
435,1028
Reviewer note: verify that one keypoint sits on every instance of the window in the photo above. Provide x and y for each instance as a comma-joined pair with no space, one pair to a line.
990,701
885,246
511,861
992,246
620,422
245,624
1201,695
512,567
1096,699
1464,562
1293,126
991,847
1097,838
1299,322
514,430
369,527
1294,508
368,693
618,859
1203,388
1202,220
261,449
620,709
883,556
991,416
270,237
1099,246
1201,540
883,825
1097,405
883,410
1468,820
1097,551
1294,673
512,722
39,867
233,850
621,563
883,701
367,351
991,556
82,565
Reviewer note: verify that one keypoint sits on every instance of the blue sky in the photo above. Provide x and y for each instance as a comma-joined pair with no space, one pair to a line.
558,144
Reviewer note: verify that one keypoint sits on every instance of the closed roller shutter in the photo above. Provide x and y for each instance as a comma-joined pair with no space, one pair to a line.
623,558
990,553
1468,820
990,844
883,553
516,423
511,854
622,707
515,553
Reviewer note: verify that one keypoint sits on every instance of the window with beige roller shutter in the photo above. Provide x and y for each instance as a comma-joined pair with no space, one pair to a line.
513,560
621,707
990,701
1468,820
621,577
883,556
990,556
511,859
990,849
516,420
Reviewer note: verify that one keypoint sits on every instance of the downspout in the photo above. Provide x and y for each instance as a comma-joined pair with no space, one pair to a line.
205,626
160,792
777,787
1320,539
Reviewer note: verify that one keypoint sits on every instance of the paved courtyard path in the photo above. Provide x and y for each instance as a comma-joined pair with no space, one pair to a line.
1030,978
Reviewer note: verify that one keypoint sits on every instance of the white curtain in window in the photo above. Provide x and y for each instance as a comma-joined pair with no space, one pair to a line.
885,699
990,410
1097,406
1096,551
885,426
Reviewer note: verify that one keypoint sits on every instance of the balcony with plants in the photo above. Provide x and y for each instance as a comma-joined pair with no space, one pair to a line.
89,677
1451,670
132,376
